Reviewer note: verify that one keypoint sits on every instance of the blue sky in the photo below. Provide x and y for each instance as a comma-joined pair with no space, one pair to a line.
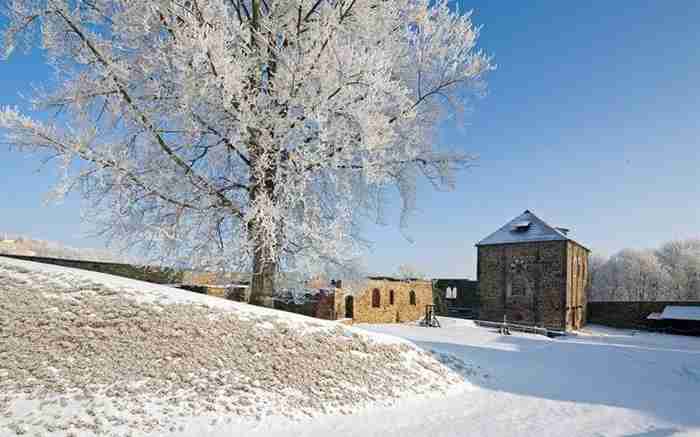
591,122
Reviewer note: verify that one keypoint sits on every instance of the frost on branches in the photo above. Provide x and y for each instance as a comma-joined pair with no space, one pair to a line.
245,134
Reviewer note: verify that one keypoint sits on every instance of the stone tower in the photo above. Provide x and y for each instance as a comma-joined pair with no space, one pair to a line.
533,274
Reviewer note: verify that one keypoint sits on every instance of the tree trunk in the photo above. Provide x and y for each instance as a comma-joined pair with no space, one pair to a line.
262,285
265,263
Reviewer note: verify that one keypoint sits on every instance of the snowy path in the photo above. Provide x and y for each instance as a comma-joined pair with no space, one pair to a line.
603,383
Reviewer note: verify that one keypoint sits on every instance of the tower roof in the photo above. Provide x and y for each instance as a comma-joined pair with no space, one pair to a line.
525,228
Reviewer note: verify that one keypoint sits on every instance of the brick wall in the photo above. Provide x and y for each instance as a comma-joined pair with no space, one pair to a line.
142,273
536,297
627,314
400,311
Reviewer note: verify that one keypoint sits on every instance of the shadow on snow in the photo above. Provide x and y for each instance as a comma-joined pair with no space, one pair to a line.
658,381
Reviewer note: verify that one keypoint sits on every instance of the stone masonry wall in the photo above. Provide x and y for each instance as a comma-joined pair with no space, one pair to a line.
577,278
534,293
323,307
142,273
466,302
632,315
400,311
213,278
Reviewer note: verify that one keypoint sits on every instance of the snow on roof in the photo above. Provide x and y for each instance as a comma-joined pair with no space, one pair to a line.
675,312
654,316
524,228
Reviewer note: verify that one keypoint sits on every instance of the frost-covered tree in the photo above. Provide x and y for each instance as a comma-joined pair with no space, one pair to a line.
408,271
596,283
681,261
629,275
245,134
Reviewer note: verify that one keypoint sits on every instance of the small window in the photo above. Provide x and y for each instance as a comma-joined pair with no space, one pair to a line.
451,293
376,298
412,297
391,297
521,226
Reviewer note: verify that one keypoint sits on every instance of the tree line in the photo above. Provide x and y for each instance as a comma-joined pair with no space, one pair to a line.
671,272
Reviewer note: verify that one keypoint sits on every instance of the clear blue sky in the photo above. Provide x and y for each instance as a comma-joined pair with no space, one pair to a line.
591,122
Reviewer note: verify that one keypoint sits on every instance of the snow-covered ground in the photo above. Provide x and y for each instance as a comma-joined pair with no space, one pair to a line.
600,382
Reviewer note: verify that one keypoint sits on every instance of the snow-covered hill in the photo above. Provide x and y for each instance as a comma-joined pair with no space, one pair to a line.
87,353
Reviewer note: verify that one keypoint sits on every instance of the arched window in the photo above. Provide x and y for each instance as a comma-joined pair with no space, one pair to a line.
376,298
412,297
391,297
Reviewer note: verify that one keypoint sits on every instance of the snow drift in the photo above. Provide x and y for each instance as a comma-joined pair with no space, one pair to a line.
88,352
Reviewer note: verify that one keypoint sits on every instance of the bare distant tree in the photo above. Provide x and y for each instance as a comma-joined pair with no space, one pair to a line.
246,134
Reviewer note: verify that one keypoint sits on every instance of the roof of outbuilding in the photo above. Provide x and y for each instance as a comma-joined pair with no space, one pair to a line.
525,228
675,312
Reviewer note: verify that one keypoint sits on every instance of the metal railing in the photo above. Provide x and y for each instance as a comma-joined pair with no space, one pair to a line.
521,328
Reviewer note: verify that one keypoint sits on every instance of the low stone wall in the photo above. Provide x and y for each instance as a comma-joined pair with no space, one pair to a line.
142,273
627,314
214,278
321,308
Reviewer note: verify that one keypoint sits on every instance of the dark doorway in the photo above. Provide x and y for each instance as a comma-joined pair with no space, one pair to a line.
349,304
